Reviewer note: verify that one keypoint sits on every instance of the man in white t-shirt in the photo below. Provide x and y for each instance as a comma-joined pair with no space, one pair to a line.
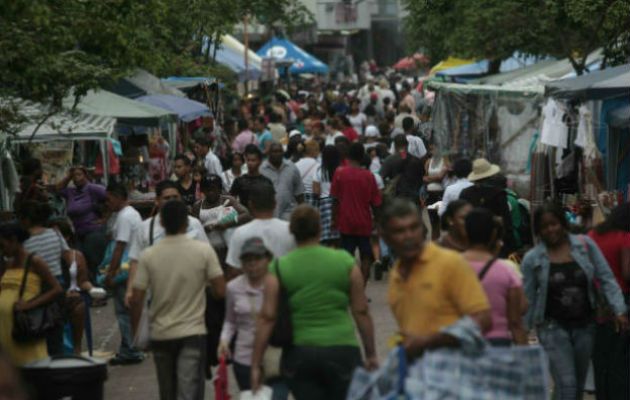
126,223
151,230
274,232
211,162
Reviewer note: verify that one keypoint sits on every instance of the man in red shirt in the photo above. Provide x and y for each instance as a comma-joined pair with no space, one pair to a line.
355,193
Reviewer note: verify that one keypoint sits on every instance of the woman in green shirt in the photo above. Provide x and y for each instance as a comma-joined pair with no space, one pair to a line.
322,283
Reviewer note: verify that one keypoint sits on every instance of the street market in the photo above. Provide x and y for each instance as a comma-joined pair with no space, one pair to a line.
261,207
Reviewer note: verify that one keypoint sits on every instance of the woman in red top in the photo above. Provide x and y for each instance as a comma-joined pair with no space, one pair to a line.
348,130
612,351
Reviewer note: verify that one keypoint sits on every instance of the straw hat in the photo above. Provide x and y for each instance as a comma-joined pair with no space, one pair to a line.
483,169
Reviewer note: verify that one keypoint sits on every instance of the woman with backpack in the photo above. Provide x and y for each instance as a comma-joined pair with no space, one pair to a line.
500,282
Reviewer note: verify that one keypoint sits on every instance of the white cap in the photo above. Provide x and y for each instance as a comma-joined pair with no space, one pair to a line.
372,132
294,132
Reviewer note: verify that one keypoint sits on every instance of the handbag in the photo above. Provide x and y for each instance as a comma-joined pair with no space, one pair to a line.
282,333
273,355
36,323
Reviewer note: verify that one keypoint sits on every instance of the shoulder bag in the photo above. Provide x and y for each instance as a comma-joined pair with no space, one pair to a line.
282,333
36,323
486,268
603,310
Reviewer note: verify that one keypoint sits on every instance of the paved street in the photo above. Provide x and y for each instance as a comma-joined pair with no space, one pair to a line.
139,381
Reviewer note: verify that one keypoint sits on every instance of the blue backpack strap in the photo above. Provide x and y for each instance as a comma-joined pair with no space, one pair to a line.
402,371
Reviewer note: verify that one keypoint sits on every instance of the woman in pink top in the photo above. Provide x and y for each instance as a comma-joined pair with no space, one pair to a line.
501,283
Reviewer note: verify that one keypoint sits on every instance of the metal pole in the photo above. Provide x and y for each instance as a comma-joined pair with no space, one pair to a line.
246,43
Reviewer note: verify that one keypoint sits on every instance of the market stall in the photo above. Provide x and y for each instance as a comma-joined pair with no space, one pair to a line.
301,61
62,138
142,83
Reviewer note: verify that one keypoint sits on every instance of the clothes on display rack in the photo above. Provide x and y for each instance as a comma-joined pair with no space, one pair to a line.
555,131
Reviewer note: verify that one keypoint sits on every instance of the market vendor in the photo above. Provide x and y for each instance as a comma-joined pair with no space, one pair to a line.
84,203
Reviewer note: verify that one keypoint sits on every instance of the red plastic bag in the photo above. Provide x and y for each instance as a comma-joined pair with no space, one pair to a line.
221,381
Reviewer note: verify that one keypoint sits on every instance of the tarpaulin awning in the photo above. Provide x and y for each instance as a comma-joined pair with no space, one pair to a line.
62,125
187,110
620,118
303,62
234,60
124,110
449,63
607,83
468,71
540,73
142,83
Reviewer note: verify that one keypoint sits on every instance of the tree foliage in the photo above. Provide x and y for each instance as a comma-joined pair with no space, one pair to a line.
495,29
51,48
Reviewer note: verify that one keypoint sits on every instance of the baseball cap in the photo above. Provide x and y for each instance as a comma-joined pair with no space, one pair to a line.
372,132
254,247
294,132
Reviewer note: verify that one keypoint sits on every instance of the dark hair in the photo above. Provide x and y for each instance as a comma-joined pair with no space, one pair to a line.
164,185
232,156
618,220
117,189
331,160
356,152
13,230
549,208
408,123
243,124
211,181
304,224
275,117
174,216
400,141
262,197
184,159
452,209
30,166
204,142
64,226
398,208
36,212
481,227
462,168
261,120
345,121
252,149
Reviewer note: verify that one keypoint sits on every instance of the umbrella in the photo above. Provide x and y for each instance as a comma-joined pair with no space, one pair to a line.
411,62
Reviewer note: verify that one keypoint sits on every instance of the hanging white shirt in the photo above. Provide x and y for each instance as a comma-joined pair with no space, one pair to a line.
554,131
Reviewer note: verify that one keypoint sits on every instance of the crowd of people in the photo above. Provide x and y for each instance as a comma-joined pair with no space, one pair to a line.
261,245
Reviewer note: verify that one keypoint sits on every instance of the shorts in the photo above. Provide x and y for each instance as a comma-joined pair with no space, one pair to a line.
350,243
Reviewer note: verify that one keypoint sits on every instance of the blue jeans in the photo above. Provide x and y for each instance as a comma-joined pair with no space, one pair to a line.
569,351
126,351
180,365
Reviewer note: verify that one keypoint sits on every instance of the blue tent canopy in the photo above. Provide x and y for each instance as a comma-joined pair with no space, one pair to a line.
187,110
282,49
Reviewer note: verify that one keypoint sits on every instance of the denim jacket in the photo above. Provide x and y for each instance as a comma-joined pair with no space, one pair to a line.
587,255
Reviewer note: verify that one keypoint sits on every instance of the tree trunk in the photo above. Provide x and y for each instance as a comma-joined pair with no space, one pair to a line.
494,66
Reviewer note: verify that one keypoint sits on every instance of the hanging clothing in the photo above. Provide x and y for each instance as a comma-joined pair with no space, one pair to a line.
555,131
585,126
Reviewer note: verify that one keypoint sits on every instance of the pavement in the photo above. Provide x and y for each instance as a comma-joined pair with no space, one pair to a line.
140,382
